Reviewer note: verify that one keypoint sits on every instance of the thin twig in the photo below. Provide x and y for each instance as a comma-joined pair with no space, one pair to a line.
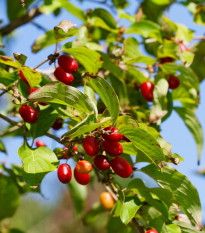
111,192
5,91
11,121
38,26
41,63
34,12
54,137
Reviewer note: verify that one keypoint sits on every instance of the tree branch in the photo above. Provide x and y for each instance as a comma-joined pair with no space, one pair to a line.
20,21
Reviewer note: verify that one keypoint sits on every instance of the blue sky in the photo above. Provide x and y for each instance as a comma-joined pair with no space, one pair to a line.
173,130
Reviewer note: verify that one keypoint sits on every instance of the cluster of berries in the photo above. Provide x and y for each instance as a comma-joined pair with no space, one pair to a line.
63,73
109,142
147,88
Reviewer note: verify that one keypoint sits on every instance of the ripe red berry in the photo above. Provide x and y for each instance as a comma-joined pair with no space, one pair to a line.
125,139
68,64
64,173
152,231
147,90
183,47
40,143
112,148
63,77
81,178
83,167
166,60
30,90
24,78
102,162
28,114
75,148
121,167
57,124
90,145
173,82
106,200
112,135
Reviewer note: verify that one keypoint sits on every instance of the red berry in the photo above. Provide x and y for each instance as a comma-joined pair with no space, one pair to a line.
166,60
183,47
152,231
81,178
112,148
125,139
65,154
57,124
121,167
90,145
28,114
68,64
30,90
64,173
75,148
40,143
107,200
112,135
102,162
173,82
24,78
63,77
83,167
147,90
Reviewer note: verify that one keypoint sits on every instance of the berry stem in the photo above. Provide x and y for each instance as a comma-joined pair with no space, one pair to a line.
41,63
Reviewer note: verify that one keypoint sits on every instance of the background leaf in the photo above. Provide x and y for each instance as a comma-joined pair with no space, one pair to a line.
193,125
185,193
9,197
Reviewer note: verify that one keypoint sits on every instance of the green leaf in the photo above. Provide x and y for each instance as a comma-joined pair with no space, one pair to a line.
44,41
169,49
146,28
21,58
86,126
102,18
79,195
37,163
8,61
60,32
7,78
90,59
108,64
116,225
9,197
51,5
46,119
91,216
145,142
129,208
187,228
199,62
193,125
131,48
33,77
107,95
186,76
159,107
144,193
184,192
172,228
187,58
2,147
62,94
